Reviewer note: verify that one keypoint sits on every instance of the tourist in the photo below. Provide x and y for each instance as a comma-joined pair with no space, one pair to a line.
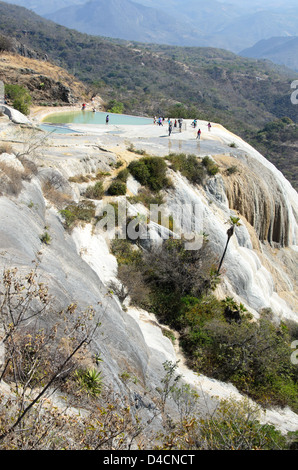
199,134
107,119
209,126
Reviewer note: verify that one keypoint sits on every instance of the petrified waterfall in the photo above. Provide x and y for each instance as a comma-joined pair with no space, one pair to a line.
259,197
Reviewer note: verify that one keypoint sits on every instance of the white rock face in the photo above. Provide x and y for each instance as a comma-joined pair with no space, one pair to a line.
78,266
14,115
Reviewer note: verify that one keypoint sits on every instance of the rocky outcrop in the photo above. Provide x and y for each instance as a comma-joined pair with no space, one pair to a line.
45,82
78,266
257,196
14,115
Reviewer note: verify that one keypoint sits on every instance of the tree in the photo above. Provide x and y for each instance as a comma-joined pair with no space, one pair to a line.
37,355
5,43
231,426
235,223
21,99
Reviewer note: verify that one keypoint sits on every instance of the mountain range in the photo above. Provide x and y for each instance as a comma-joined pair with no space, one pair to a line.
190,23
128,20
280,50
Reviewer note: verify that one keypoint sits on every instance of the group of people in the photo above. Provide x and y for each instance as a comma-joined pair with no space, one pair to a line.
84,105
160,121
178,123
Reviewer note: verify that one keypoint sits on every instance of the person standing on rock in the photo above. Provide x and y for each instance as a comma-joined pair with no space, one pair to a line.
180,124
170,127
209,126
199,134
107,119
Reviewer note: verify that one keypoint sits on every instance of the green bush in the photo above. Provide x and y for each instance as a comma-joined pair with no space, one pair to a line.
115,107
210,166
146,197
123,175
117,188
254,356
96,191
125,252
21,99
150,172
189,166
83,211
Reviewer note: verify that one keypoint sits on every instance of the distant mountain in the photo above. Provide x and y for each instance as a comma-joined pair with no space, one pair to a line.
245,31
280,50
229,25
209,17
43,7
124,19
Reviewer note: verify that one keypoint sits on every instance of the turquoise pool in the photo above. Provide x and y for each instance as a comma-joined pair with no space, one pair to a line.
89,117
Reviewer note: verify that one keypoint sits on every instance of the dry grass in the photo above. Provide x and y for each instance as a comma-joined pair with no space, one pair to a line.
13,68
5,147
59,199
10,180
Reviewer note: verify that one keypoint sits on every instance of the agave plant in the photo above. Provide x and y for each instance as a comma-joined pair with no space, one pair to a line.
90,381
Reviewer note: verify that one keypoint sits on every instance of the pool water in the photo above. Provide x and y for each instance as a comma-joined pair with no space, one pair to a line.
56,129
90,117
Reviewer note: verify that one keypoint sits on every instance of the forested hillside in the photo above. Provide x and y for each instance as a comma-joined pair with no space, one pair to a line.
212,84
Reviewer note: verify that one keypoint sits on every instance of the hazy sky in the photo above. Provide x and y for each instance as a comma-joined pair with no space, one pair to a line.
268,4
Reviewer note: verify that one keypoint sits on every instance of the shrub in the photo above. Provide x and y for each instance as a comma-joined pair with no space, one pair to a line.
254,356
123,175
231,426
21,99
45,238
131,148
146,197
5,43
210,166
115,107
56,197
95,192
78,179
83,211
231,170
117,188
150,172
189,166
125,252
